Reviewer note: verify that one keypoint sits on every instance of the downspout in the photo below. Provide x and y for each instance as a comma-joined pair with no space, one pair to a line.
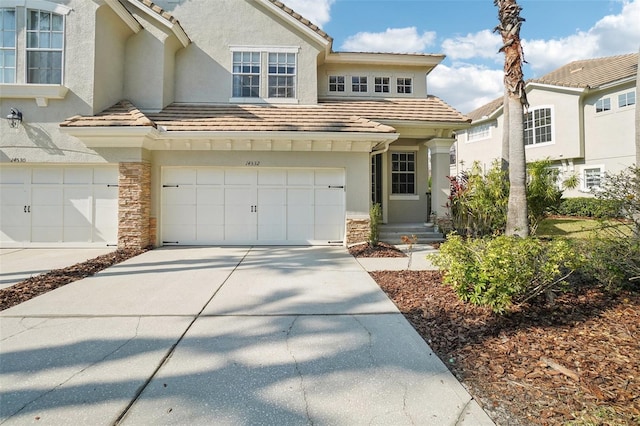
383,150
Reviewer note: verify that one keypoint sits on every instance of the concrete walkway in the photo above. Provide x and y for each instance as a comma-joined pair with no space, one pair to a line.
225,336
416,260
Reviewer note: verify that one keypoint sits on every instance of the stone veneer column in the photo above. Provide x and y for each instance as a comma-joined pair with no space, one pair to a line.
134,205
357,230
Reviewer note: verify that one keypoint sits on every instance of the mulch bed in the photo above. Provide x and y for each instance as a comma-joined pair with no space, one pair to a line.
40,284
576,362
380,250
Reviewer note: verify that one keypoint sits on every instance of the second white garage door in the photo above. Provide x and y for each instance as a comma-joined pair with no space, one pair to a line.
252,206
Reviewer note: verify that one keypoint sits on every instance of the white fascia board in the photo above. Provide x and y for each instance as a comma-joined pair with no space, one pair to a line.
177,30
125,15
576,90
294,22
615,83
400,59
448,125
316,136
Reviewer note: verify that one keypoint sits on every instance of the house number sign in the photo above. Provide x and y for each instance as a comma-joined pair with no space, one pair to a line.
252,163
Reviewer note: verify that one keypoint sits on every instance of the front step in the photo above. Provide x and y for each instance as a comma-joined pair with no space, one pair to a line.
393,233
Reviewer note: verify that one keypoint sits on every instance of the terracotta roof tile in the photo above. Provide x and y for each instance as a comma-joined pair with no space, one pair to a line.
486,110
302,19
124,113
591,73
430,108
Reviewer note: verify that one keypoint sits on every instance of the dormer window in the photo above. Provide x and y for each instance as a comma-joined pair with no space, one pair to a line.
336,83
246,74
359,84
282,75
267,73
405,85
381,84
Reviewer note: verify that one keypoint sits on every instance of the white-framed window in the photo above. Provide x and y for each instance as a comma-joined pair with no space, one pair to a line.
381,84
359,84
538,126
476,133
282,75
626,99
336,83
45,47
592,177
603,105
452,155
246,74
403,173
404,85
8,45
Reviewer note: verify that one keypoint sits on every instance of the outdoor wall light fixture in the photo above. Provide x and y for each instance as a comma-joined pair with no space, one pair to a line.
14,118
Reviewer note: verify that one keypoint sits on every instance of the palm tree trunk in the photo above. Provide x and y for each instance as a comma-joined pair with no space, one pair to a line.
638,112
516,102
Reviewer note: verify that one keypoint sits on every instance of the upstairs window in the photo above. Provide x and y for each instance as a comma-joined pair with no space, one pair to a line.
537,127
405,85
403,173
603,105
246,74
626,99
282,75
359,84
381,84
7,46
45,39
336,83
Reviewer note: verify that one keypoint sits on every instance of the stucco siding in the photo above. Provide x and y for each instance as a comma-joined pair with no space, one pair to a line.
409,210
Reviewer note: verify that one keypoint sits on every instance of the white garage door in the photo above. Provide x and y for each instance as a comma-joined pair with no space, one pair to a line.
252,206
58,206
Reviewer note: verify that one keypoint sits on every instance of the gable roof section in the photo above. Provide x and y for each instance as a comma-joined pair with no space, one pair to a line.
302,20
592,73
486,110
155,11
122,114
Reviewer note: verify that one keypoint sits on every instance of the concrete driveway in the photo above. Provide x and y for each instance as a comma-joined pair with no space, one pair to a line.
225,336
19,264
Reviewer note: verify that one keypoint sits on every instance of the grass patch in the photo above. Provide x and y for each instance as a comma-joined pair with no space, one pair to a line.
569,227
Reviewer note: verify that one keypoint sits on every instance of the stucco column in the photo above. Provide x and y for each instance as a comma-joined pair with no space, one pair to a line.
440,171
134,205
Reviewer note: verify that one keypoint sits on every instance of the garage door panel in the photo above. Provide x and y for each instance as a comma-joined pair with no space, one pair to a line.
240,177
180,196
272,177
210,196
75,175
14,175
329,197
210,215
210,177
210,232
179,177
105,176
78,207
329,177
79,233
300,177
327,232
178,233
47,234
300,197
43,196
47,175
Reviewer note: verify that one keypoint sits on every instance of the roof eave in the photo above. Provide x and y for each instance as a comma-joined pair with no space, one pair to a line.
401,59
174,27
325,42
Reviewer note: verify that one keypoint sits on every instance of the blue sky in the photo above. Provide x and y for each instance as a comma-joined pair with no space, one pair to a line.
554,33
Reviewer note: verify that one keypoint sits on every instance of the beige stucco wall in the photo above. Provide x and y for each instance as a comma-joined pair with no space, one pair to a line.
484,151
393,72
204,68
38,139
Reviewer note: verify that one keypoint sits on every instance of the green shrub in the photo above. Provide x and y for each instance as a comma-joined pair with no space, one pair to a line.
499,272
589,207
375,216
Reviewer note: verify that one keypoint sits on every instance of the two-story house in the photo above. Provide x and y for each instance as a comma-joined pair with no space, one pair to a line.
196,122
581,117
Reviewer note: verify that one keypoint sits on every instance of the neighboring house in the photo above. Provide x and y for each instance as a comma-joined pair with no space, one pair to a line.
581,117
236,124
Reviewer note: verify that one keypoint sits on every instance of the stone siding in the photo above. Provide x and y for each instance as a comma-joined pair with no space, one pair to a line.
357,231
134,205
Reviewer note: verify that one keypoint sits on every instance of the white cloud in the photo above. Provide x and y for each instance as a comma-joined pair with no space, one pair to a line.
611,35
317,11
465,87
483,44
393,40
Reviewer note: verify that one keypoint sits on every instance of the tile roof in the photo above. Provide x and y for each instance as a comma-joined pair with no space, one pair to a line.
160,11
230,118
302,19
430,108
124,113
592,73
486,110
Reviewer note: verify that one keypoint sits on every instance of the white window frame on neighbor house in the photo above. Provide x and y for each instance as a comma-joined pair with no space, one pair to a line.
407,150
478,133
381,84
404,85
603,105
268,80
586,185
626,99
246,65
545,132
8,68
337,83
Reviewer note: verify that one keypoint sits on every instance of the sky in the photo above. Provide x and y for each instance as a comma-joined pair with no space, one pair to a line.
555,32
